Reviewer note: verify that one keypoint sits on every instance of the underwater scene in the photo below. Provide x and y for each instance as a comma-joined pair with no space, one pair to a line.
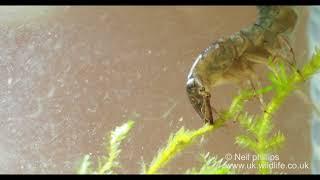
159,90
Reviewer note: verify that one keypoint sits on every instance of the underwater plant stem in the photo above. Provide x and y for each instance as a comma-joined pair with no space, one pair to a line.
290,85
262,151
178,143
114,146
107,166
182,138
84,165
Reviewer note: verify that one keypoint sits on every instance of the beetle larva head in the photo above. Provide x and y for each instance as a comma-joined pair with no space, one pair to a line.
193,88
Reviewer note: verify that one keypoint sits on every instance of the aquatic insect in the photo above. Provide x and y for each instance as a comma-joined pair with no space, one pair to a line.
232,59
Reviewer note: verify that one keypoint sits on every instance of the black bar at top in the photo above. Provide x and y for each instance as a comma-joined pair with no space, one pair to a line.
160,2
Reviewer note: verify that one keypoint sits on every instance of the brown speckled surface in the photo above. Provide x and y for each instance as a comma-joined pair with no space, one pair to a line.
71,74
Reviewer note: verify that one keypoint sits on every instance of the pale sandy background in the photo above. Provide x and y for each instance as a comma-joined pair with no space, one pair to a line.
69,75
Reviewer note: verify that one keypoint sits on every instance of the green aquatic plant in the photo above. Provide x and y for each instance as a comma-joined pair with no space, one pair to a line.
260,127
258,137
211,165
106,163
181,139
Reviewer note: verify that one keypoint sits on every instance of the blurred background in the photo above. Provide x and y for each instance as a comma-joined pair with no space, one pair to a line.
71,74
313,42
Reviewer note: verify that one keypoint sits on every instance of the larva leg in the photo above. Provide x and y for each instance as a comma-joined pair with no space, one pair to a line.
255,83
284,51
289,50
261,60
257,59
254,80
